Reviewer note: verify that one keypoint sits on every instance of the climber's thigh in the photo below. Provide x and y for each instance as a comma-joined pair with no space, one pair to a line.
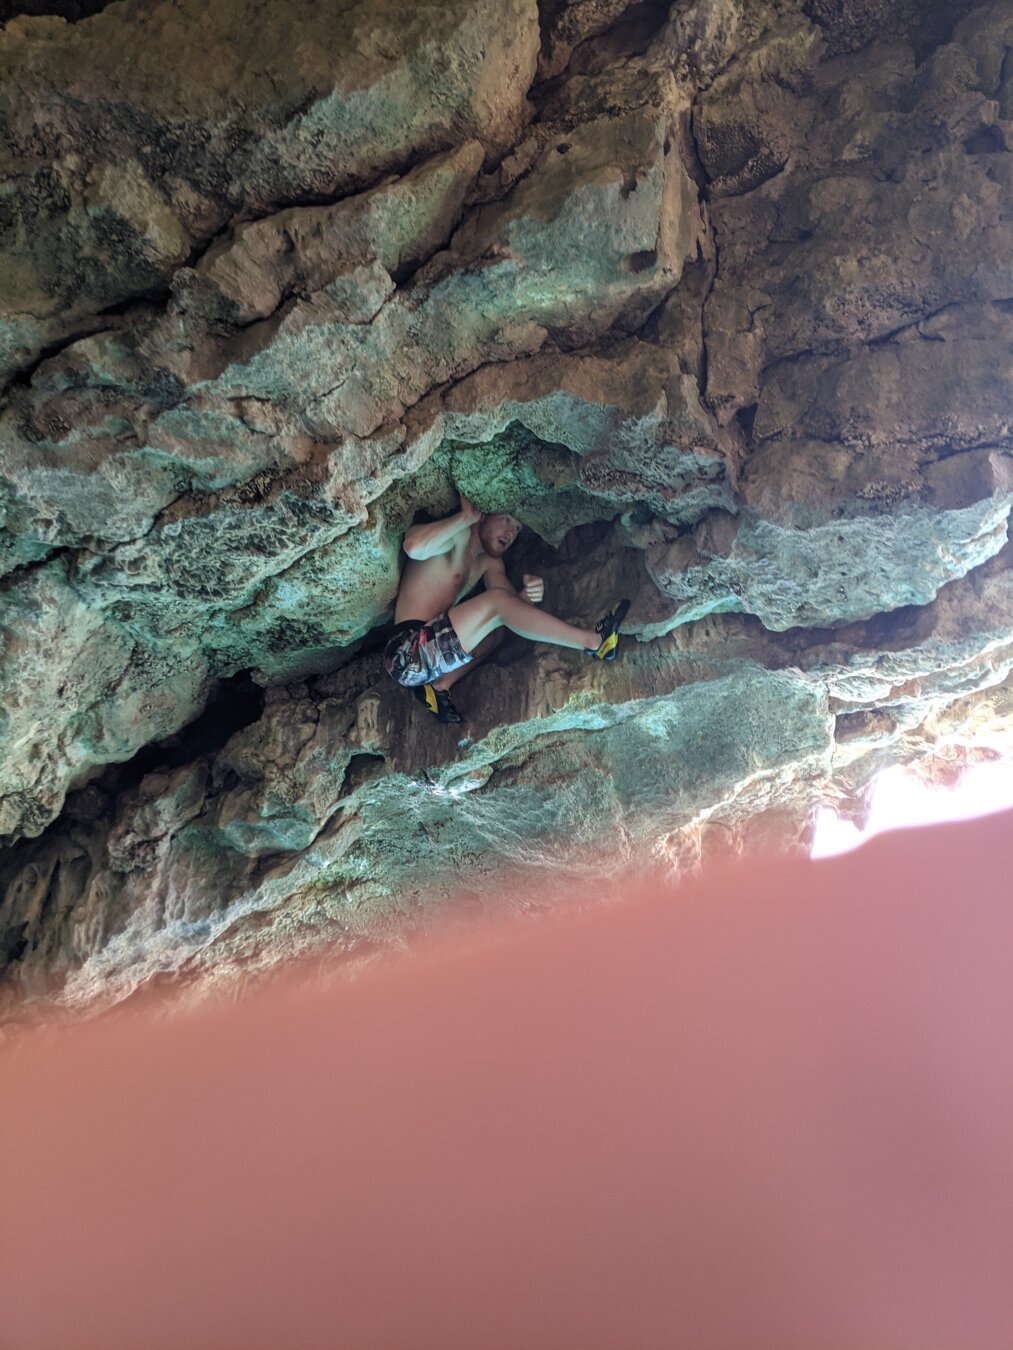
475,619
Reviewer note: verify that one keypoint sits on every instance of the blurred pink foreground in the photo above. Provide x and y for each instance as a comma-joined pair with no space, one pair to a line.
774,1110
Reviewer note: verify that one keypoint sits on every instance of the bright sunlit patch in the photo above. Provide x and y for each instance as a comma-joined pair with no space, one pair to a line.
900,799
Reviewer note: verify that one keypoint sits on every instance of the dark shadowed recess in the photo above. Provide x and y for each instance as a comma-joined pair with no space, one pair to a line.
71,10
236,703
850,25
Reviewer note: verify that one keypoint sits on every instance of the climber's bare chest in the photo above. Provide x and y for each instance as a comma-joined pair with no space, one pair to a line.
462,573
431,585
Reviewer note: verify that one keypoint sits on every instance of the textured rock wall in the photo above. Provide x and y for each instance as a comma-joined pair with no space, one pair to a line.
714,296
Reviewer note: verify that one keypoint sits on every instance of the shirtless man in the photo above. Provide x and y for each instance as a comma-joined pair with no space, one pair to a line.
435,638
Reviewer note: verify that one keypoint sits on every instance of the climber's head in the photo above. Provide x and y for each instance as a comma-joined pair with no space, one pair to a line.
497,532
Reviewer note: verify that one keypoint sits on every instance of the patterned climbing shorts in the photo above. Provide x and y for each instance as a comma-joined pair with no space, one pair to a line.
419,653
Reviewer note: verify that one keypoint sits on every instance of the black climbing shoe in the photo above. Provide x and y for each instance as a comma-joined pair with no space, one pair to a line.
609,630
438,703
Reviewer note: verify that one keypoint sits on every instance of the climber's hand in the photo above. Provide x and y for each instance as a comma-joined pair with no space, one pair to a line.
469,511
534,589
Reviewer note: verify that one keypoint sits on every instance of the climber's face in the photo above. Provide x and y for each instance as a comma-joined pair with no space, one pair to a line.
497,533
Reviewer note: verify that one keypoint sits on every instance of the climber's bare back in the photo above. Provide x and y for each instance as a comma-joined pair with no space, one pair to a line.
429,586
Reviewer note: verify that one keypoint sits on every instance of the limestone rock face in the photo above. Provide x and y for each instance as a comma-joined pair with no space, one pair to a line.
135,136
714,296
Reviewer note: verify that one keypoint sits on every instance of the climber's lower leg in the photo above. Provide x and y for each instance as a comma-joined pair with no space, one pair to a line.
475,619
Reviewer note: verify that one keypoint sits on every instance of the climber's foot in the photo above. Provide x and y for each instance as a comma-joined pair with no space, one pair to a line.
437,701
609,630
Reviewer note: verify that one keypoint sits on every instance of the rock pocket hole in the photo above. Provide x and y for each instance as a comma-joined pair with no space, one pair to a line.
985,141
361,768
640,262
745,418
71,10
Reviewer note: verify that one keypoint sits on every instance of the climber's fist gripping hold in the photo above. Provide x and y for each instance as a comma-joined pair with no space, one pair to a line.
534,589
437,633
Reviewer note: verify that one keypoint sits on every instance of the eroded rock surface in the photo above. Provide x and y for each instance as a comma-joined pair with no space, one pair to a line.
715,297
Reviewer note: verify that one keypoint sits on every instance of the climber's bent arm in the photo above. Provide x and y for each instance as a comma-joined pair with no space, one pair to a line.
426,541
496,579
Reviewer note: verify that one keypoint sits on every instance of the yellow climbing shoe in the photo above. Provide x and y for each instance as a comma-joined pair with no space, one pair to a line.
609,630
438,703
